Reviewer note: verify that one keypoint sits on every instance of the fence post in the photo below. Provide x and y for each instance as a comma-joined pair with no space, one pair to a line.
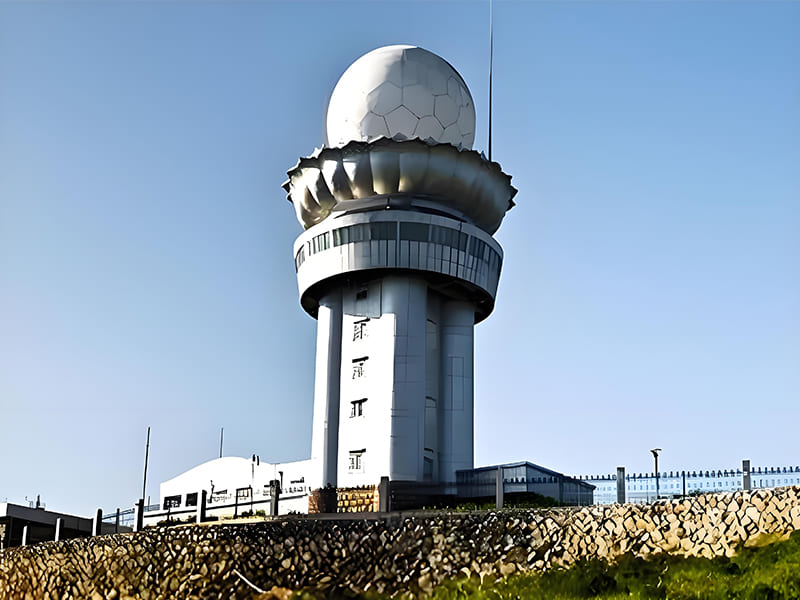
138,515
275,492
499,489
97,523
621,485
746,484
201,506
59,527
384,498
116,522
25,535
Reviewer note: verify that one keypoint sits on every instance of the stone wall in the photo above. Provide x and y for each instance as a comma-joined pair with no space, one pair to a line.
389,554
358,499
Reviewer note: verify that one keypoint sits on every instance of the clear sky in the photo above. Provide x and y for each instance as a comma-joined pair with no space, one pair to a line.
650,294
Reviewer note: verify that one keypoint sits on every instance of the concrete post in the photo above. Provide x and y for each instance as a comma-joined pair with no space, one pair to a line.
274,492
327,382
621,485
499,489
59,529
116,522
25,535
746,484
202,498
97,523
384,500
138,515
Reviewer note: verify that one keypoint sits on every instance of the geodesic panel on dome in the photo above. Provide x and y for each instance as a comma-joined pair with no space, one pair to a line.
384,98
386,80
429,128
446,110
402,121
375,125
418,100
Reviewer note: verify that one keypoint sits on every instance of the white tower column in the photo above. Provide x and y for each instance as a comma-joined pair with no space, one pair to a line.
406,298
457,360
325,431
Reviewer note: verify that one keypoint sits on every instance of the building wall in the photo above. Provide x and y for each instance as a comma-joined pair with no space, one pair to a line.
234,485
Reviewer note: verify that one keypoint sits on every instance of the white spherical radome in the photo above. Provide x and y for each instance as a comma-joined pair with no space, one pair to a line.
400,92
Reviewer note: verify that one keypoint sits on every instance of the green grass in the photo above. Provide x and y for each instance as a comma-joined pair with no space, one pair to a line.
770,572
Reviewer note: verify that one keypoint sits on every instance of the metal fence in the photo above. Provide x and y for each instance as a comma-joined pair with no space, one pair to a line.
120,518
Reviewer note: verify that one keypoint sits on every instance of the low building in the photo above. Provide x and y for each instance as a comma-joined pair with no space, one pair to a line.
41,524
234,486
521,480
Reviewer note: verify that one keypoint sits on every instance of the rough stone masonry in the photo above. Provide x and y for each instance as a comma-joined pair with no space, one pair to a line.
392,554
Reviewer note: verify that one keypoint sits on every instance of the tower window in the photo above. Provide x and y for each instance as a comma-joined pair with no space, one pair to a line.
357,407
356,460
358,366
415,232
360,329
320,242
361,295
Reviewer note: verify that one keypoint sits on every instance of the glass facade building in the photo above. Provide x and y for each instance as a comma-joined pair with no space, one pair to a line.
523,478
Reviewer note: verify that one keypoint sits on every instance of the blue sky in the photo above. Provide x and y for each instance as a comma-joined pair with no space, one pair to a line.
650,293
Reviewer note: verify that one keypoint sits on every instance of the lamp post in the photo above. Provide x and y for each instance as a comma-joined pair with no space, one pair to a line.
655,452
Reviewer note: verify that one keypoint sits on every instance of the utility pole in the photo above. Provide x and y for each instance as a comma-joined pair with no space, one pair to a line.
221,432
146,458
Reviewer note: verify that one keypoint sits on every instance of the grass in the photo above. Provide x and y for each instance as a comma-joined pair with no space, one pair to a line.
770,572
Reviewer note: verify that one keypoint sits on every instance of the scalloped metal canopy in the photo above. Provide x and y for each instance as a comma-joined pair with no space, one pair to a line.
461,182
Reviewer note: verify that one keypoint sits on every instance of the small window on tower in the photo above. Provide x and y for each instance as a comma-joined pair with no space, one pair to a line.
360,329
361,295
358,367
357,407
356,461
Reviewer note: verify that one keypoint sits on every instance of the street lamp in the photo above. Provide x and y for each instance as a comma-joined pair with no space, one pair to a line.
655,452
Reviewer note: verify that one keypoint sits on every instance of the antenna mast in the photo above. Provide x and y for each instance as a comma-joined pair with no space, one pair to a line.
491,60
146,459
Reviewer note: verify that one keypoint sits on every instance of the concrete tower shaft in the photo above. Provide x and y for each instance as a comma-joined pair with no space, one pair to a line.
396,294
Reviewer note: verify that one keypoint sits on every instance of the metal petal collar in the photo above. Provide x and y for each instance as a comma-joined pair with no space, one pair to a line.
462,182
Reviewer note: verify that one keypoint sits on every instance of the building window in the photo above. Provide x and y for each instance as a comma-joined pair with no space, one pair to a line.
320,242
356,461
360,329
357,408
414,232
299,258
358,367
191,499
383,230
172,502
361,295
